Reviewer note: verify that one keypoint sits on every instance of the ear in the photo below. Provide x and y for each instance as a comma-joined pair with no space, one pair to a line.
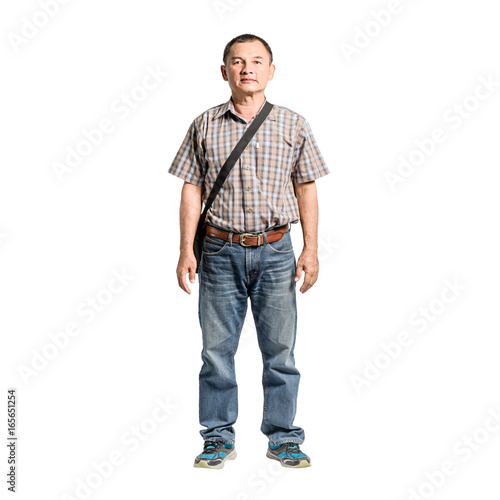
271,72
224,73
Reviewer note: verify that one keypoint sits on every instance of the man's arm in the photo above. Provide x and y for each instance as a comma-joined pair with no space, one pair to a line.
189,214
307,199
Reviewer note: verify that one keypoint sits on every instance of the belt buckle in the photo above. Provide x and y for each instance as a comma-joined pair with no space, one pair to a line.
242,237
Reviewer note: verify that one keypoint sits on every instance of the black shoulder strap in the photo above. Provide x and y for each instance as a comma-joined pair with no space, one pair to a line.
235,154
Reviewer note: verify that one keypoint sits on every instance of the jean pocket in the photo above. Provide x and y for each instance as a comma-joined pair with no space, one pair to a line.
284,245
214,246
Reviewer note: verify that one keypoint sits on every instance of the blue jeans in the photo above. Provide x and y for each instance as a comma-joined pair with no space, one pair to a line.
228,275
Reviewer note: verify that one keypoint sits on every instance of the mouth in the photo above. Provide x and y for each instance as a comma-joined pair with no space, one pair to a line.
246,80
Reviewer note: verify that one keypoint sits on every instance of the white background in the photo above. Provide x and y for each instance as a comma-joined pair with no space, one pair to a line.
384,253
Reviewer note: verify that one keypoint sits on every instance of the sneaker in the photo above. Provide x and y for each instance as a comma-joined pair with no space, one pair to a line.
214,455
290,455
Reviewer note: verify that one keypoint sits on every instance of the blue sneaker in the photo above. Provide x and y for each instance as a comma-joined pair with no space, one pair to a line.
214,455
290,455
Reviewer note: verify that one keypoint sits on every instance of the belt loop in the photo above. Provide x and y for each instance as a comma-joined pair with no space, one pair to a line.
230,238
265,238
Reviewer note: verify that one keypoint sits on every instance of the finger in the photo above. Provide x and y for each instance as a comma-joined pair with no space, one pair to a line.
185,286
305,286
298,272
181,278
192,274
309,281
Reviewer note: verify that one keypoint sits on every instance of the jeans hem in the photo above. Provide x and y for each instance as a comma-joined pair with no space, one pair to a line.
217,440
283,441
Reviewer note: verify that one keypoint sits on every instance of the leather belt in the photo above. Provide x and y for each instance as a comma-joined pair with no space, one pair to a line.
249,239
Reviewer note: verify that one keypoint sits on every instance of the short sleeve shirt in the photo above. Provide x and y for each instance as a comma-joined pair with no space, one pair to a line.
259,192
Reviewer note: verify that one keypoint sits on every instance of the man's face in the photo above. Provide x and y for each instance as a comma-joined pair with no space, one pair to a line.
247,68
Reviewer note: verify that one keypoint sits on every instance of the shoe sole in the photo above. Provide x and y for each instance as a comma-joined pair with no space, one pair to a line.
203,464
302,464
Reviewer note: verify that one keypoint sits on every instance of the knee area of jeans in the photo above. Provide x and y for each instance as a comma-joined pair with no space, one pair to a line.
218,350
278,354
219,366
218,346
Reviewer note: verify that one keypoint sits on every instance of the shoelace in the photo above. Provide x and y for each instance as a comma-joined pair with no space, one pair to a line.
210,446
292,448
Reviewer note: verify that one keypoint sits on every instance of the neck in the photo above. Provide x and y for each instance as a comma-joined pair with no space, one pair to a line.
248,105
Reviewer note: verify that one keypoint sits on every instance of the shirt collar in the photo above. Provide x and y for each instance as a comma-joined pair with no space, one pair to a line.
229,106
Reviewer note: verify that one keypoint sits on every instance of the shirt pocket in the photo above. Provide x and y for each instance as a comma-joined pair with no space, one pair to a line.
216,153
274,162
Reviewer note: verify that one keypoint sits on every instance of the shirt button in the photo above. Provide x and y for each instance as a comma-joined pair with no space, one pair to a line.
248,188
249,210
247,168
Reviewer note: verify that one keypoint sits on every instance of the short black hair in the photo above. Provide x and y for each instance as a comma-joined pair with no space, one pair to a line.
246,38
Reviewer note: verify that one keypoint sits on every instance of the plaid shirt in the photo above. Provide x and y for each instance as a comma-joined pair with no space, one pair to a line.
258,193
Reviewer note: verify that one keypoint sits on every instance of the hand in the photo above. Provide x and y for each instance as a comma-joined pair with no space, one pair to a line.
187,264
308,262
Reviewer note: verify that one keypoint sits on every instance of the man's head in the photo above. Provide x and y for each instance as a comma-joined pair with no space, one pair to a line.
244,39
248,64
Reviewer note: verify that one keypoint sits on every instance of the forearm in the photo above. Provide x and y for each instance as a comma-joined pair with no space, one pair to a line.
307,199
189,214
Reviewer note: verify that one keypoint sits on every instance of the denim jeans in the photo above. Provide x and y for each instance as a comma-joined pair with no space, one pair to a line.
229,275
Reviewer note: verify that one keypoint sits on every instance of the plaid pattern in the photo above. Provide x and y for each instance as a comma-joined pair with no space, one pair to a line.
258,193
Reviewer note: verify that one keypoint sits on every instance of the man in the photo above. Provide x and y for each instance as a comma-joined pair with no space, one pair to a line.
247,251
